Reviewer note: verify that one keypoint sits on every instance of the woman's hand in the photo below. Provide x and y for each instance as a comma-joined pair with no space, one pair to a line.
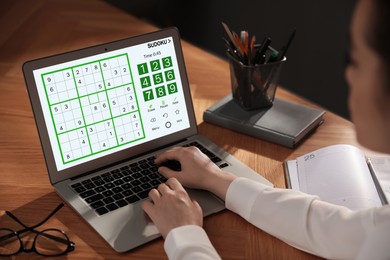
170,207
197,170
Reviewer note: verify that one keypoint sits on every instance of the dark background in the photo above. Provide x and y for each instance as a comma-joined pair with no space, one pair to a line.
315,60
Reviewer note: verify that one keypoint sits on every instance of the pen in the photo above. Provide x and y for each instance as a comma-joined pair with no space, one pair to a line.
245,41
260,54
241,47
251,48
283,51
232,40
231,49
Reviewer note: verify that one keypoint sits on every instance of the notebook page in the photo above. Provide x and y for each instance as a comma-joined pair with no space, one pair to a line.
381,166
293,174
338,174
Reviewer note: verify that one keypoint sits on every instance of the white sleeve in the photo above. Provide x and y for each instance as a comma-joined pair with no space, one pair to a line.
189,242
302,220
377,241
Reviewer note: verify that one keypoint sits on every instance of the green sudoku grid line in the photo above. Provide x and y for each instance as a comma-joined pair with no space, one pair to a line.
85,126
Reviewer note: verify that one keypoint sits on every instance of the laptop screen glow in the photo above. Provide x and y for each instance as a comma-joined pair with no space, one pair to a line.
108,102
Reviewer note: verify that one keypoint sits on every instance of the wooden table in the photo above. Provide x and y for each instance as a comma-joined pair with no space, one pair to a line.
31,29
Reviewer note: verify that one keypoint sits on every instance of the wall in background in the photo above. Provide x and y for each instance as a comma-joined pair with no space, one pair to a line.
316,59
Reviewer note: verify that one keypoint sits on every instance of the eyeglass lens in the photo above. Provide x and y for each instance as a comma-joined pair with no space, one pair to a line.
51,242
10,242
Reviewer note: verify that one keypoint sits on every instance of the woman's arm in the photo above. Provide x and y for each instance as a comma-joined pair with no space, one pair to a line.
302,220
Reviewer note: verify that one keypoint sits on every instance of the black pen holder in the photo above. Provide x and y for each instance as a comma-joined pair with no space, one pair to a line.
254,86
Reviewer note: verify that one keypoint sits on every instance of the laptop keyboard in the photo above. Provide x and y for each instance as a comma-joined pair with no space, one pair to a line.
128,184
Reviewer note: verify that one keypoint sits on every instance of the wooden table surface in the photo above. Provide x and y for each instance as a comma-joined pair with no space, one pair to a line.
32,29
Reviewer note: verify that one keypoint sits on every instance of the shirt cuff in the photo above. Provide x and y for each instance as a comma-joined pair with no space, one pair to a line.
243,189
187,242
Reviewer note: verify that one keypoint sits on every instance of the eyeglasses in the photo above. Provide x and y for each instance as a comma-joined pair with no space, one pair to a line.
48,242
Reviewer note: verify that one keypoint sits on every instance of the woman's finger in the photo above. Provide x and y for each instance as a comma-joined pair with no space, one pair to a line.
174,184
154,195
163,189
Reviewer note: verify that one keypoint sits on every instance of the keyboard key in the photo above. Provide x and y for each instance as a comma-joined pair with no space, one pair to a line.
118,196
223,165
142,161
153,176
80,189
112,206
108,200
100,189
108,193
124,168
122,203
108,179
86,182
155,183
119,182
75,185
99,182
102,211
94,198
144,166
89,186
133,164
143,194
97,204
117,175
135,169
215,159
136,189
136,175
106,174
117,190
132,199
126,172
162,179
87,193
126,186
96,178
128,179
146,186
135,183
109,185
127,193
144,179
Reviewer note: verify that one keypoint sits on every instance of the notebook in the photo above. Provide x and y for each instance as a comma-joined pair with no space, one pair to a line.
285,123
102,114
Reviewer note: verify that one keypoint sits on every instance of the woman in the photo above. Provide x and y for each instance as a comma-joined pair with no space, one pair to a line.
314,226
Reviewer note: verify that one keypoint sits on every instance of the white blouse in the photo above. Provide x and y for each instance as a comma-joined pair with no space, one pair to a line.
301,220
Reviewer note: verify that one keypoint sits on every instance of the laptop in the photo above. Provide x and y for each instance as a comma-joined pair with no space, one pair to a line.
102,114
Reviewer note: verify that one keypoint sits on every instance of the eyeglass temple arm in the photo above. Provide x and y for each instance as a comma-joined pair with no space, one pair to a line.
58,239
40,223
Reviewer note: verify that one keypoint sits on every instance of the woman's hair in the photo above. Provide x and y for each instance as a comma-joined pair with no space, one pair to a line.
378,35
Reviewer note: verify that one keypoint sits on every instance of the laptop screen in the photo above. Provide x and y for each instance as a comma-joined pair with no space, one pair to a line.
104,103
